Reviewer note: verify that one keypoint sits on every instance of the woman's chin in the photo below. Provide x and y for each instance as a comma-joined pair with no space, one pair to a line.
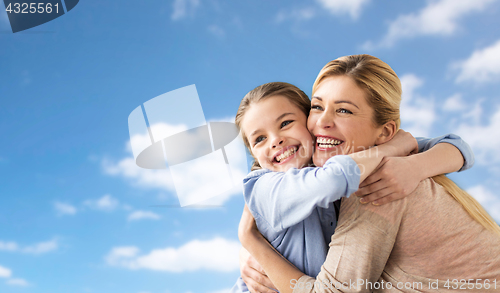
319,159
321,155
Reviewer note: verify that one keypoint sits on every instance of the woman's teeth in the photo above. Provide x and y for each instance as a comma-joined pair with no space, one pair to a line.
286,154
326,143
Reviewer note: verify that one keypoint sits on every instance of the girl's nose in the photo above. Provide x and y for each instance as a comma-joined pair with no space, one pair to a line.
277,141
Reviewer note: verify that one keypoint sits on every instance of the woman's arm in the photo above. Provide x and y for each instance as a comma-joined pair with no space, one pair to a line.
359,250
397,177
285,199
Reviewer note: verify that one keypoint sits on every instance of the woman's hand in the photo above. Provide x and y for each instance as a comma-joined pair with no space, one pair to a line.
254,275
395,179
402,144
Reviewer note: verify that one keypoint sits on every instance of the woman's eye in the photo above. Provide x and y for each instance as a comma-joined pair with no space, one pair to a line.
342,110
285,123
316,107
258,139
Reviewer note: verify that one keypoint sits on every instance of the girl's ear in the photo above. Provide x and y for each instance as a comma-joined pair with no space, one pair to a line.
387,133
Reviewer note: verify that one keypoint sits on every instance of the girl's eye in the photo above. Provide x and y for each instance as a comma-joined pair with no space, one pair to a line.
342,110
316,107
258,139
285,123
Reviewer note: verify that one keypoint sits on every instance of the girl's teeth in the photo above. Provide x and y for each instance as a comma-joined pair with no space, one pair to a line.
286,154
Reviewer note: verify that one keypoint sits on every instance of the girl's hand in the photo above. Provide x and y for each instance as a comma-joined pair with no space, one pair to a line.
402,144
395,179
251,271
254,275
247,226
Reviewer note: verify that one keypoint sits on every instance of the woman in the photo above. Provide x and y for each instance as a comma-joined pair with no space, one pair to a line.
411,240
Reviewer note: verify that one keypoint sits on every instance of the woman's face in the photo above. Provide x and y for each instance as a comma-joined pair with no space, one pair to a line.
340,119
277,134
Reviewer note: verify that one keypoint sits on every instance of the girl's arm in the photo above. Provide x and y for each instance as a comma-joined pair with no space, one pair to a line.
285,199
265,253
397,177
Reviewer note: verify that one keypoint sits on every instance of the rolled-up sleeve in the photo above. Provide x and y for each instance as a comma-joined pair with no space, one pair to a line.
425,144
285,199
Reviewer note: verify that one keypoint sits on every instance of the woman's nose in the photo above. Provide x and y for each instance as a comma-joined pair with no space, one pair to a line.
325,120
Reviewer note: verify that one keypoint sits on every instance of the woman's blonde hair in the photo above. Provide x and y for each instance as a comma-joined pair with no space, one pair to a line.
379,81
383,89
295,95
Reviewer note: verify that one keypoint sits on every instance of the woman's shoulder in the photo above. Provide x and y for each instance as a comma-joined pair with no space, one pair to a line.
387,215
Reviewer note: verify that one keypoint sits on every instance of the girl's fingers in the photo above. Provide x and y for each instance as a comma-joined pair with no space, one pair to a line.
257,282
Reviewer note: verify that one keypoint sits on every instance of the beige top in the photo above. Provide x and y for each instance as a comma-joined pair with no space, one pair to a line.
424,243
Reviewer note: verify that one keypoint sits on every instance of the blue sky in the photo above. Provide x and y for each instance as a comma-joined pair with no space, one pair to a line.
76,215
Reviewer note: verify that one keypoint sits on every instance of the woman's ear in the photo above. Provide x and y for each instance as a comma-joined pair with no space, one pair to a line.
387,133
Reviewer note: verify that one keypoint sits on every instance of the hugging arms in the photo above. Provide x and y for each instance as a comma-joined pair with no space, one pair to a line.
354,107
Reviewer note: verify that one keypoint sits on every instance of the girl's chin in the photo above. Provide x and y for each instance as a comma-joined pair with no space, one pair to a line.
293,164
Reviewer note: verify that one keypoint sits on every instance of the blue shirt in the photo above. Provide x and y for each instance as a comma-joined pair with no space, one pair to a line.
296,210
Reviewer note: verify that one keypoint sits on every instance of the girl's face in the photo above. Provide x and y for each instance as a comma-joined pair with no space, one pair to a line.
277,134
341,119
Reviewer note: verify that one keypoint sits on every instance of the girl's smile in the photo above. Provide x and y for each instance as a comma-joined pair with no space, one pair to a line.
277,134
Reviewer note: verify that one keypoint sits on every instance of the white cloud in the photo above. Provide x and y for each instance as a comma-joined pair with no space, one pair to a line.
482,66
417,113
18,282
297,14
454,103
218,254
5,272
106,203
482,138
184,8
37,248
438,18
64,208
42,247
339,7
142,177
487,199
216,31
8,246
140,215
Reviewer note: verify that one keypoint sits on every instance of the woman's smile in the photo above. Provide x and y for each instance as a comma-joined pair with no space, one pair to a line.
340,119
327,143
